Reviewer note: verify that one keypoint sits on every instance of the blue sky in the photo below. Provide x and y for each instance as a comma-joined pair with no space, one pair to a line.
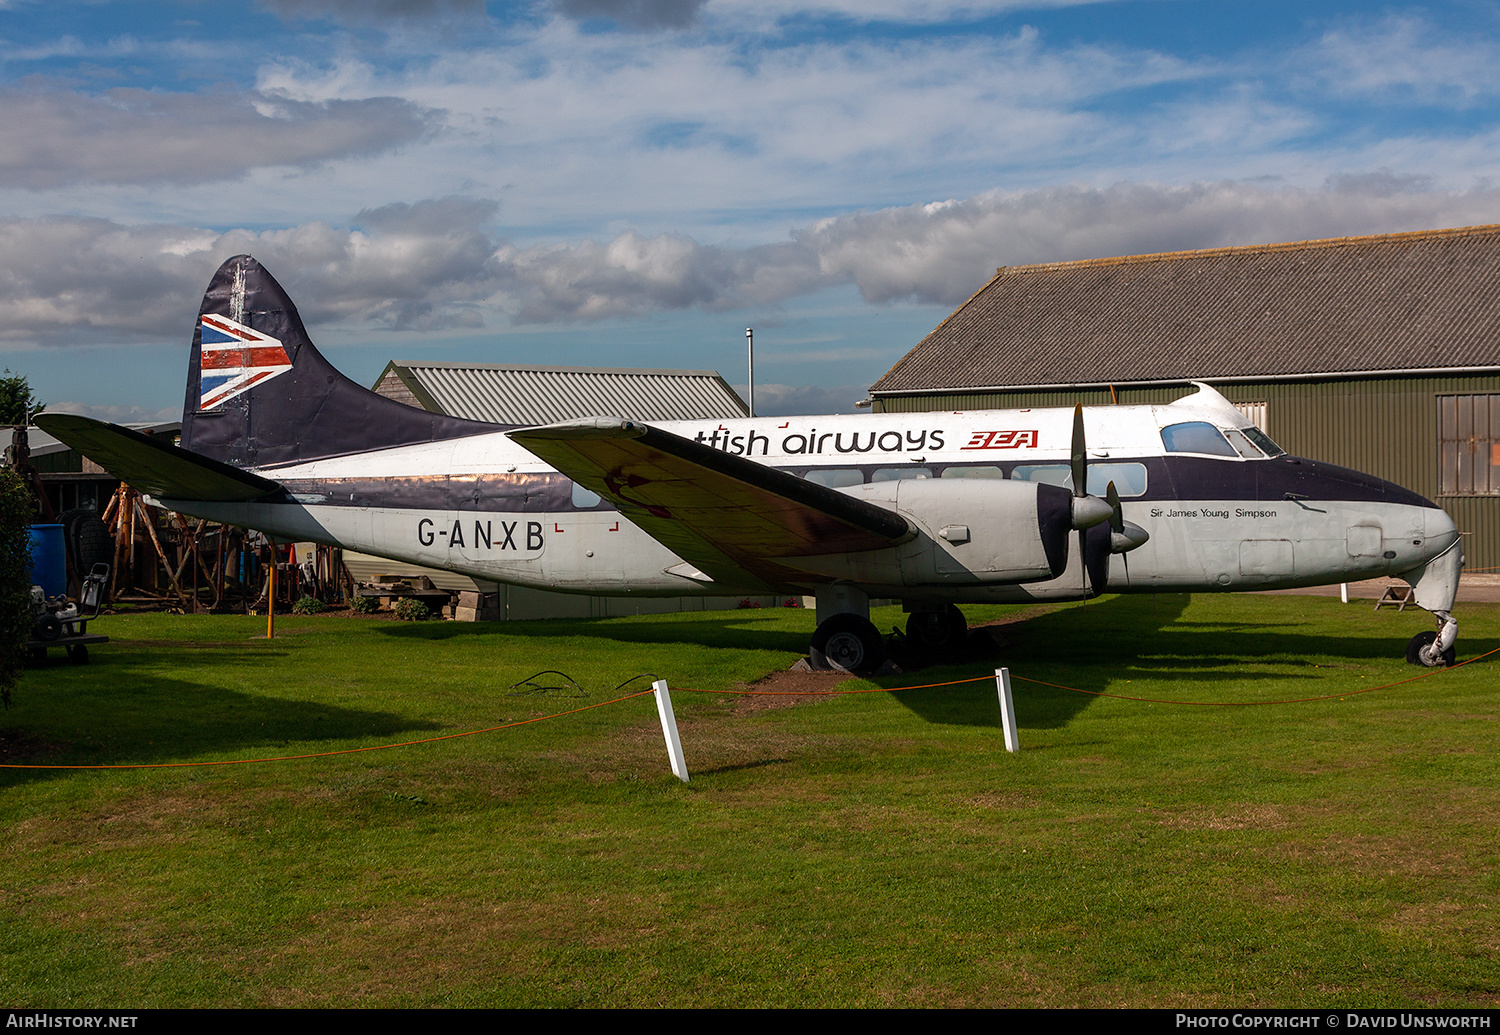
633,182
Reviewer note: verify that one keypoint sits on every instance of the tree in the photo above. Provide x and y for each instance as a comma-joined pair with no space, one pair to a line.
17,509
17,404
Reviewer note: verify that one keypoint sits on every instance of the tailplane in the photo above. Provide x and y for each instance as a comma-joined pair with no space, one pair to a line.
259,394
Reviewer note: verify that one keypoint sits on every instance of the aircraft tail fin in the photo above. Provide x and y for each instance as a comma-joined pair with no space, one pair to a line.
260,395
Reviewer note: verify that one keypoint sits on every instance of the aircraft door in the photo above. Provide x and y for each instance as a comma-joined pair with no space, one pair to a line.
501,520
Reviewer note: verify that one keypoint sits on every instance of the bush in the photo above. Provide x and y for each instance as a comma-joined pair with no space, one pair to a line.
17,507
308,606
410,609
363,605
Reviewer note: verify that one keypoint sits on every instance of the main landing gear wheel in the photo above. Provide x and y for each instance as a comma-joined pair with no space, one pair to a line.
937,630
1419,652
848,643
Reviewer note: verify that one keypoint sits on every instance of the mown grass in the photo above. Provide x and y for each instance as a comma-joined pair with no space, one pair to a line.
873,849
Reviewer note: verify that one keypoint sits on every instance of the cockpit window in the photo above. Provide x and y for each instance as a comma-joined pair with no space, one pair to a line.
1196,437
1242,445
1260,438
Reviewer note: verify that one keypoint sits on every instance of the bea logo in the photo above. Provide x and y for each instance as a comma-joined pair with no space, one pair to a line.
1002,440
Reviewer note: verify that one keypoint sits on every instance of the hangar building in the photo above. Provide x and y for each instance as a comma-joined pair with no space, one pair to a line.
1379,353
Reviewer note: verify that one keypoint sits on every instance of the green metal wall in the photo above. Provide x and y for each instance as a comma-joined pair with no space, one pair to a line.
1387,427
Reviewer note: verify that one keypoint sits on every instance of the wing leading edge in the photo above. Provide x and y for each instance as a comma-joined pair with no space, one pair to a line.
723,514
152,466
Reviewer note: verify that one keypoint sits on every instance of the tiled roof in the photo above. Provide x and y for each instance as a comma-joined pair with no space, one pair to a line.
527,394
1393,302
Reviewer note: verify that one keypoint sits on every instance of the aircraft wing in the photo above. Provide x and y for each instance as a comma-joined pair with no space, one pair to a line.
153,466
721,513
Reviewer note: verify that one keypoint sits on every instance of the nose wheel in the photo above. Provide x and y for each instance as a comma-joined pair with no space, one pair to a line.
1434,649
1421,650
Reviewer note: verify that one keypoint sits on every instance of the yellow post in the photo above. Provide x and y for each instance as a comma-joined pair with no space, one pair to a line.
271,594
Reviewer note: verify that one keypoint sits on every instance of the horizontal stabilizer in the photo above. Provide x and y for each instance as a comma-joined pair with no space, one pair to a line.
153,466
721,512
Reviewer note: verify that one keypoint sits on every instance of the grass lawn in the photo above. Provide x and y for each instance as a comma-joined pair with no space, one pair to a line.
865,850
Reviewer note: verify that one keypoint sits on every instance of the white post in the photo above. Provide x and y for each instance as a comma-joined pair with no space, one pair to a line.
1007,709
1344,592
669,730
750,349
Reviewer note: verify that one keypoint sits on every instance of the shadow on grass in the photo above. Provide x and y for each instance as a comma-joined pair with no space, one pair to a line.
752,629
122,709
1100,645
1115,627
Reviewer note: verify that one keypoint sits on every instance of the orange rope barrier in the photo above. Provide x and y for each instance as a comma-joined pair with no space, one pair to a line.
1091,693
754,693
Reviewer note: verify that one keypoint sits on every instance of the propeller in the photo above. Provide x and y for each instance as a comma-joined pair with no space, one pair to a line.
1124,536
1088,513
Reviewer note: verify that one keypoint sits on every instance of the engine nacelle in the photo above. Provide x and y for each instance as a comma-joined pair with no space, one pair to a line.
970,531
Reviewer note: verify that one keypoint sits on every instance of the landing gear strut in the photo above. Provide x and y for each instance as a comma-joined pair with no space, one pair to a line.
846,639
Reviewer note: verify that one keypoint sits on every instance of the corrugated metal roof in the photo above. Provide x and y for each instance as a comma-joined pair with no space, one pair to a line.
1425,301
529,394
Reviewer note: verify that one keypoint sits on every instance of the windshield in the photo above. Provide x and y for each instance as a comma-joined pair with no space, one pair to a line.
1260,438
1196,437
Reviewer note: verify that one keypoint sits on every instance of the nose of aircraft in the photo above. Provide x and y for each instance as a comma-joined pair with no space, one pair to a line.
1436,578
1441,533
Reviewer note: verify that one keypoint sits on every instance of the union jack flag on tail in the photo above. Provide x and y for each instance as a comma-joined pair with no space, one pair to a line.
234,360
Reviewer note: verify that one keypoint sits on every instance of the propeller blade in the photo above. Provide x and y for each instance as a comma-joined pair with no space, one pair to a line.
1080,456
1096,543
1116,514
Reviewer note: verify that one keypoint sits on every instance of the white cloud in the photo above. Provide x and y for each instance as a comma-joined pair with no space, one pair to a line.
57,137
375,12
635,14
430,265
1404,58
119,414
776,400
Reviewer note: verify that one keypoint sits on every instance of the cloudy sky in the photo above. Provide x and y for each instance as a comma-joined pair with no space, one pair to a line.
634,182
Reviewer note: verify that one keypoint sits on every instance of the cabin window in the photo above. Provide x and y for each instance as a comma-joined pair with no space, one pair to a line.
1048,474
583,499
974,471
897,474
1129,479
1196,436
1469,445
836,478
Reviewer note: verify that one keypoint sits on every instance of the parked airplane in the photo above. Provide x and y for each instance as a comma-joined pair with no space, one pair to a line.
934,509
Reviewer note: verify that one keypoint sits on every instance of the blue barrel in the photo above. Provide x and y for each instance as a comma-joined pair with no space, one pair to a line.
49,559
